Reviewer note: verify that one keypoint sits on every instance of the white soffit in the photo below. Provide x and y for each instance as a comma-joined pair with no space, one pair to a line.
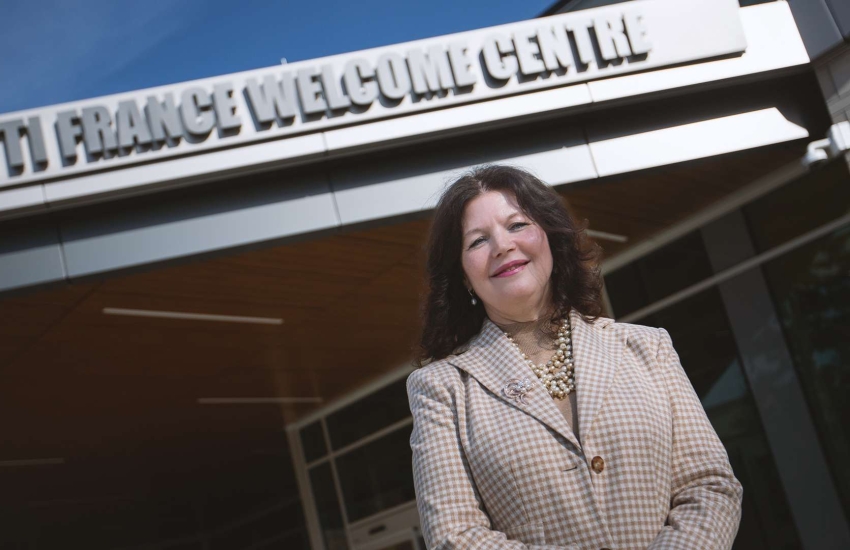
99,246
219,163
404,194
692,141
31,266
22,198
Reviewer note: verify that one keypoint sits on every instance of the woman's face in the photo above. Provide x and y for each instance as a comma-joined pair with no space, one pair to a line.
506,258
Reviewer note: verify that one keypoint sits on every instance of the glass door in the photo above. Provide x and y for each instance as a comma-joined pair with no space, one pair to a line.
396,529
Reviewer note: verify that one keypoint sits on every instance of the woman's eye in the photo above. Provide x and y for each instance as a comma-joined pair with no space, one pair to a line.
476,242
518,225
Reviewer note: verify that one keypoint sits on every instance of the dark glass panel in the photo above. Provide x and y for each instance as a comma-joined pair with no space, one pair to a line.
802,205
671,268
377,475
811,291
675,266
404,545
313,441
625,290
327,507
231,500
368,415
703,339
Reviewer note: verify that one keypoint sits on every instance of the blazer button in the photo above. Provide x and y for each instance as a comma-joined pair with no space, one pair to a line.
597,464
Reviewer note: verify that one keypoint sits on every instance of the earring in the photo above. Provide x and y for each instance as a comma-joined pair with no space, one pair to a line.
473,300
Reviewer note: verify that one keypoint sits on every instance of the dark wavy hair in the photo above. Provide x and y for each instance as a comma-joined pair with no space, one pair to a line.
449,318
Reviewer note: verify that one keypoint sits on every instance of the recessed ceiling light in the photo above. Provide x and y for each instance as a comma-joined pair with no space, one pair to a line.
607,236
191,316
255,400
32,462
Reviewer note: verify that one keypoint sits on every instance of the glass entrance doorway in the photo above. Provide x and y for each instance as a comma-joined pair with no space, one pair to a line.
397,529
354,464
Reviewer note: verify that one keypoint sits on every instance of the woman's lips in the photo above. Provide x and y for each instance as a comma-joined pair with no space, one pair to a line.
513,270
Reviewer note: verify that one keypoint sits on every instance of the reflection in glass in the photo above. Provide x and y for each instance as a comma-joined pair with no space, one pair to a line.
669,269
799,207
404,545
313,441
702,337
378,475
811,291
368,415
327,507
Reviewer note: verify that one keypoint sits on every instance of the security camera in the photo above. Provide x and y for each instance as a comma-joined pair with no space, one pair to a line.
837,142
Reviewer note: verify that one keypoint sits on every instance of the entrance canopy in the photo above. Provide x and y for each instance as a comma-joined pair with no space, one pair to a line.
311,173
171,305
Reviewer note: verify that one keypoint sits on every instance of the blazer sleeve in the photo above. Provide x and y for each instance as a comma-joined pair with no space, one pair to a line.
450,507
705,505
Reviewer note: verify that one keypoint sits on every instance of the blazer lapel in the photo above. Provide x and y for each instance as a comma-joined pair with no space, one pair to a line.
597,352
494,362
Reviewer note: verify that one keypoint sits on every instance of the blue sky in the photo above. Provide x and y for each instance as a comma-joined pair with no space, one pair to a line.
59,50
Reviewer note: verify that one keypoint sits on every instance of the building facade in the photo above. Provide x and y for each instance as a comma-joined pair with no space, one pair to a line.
702,140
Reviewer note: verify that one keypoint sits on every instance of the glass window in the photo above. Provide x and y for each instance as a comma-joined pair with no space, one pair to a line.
799,207
368,415
625,290
811,291
327,507
378,475
709,355
313,441
669,269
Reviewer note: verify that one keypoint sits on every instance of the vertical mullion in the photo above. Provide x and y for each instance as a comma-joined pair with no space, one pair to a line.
337,485
305,489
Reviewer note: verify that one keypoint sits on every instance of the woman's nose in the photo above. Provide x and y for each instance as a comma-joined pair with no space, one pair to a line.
502,243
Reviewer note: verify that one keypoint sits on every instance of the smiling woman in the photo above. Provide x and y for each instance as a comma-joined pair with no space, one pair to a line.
506,258
615,449
489,208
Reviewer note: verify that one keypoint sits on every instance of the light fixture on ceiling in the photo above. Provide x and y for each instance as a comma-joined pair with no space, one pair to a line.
256,400
31,462
607,236
191,316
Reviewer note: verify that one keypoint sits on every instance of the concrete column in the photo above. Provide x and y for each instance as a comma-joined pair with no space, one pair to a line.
769,368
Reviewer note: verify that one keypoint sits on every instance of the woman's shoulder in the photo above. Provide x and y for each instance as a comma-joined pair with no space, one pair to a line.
440,373
644,339
629,330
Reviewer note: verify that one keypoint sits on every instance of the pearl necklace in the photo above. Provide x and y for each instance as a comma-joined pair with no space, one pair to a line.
558,374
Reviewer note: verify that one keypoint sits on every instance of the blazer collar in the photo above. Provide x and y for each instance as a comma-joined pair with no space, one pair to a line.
597,351
492,360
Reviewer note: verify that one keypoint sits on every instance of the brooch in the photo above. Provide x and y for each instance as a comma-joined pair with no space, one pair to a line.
516,389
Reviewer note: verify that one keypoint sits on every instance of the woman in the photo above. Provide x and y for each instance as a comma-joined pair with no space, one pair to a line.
537,423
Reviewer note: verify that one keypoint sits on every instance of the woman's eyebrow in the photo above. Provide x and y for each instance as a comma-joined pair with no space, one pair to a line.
474,229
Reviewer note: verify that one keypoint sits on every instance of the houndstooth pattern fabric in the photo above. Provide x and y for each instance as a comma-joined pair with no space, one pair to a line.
495,472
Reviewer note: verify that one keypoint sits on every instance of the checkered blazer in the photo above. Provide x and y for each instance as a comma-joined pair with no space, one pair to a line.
495,472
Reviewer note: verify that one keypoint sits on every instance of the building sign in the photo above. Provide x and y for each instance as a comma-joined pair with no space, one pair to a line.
358,87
